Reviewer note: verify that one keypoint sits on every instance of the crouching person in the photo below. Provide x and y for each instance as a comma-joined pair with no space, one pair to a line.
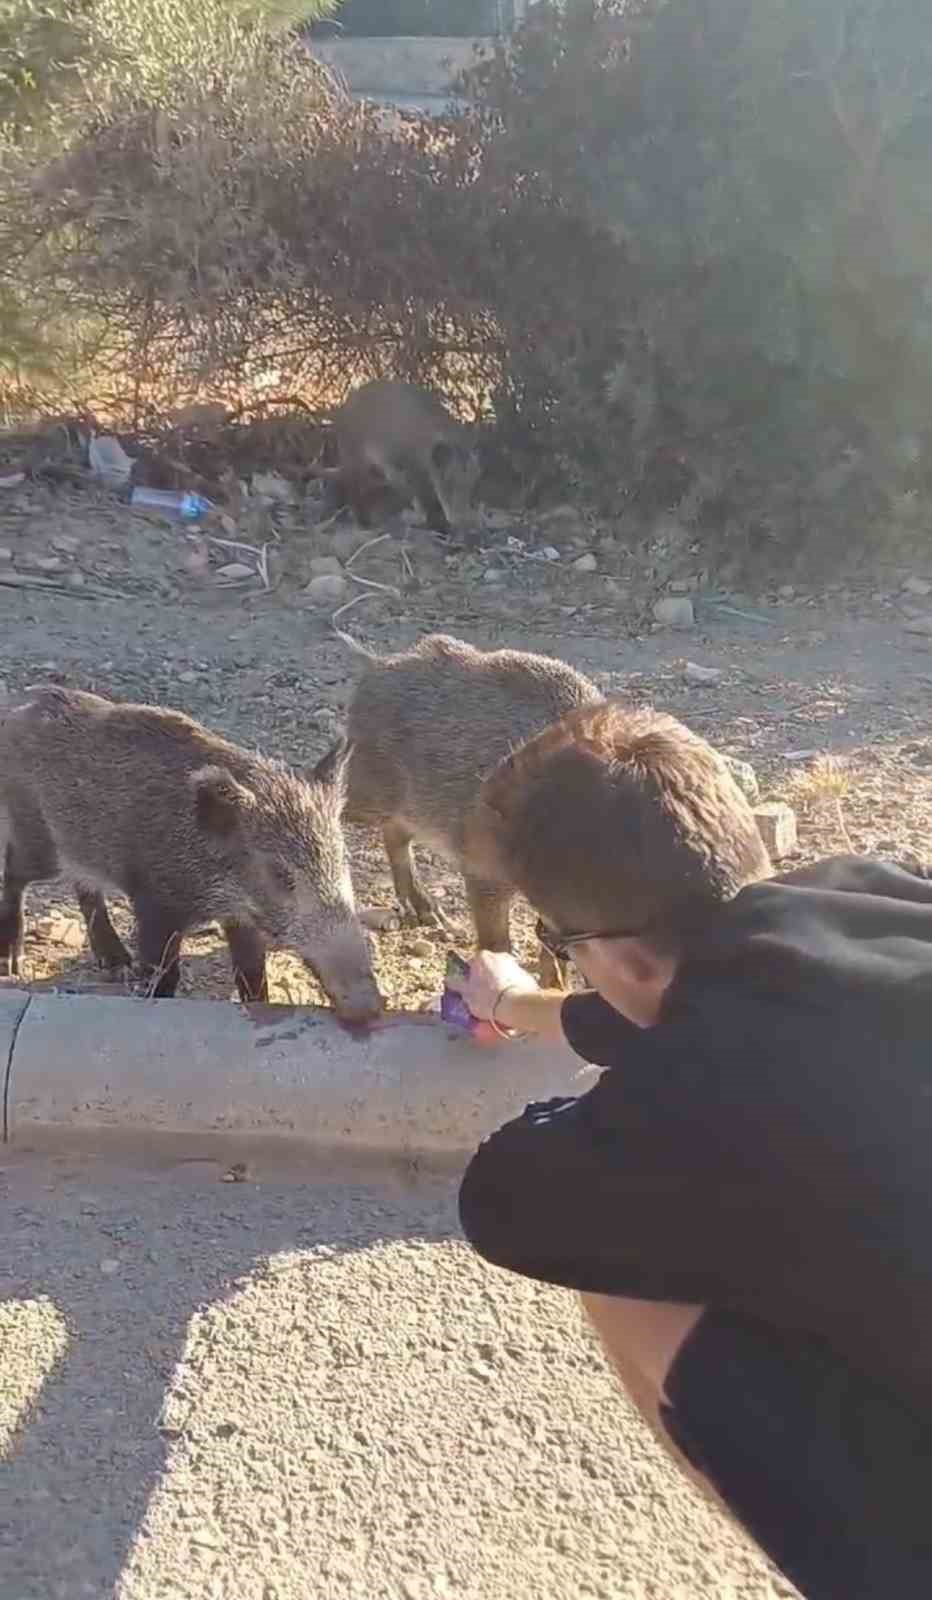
744,1198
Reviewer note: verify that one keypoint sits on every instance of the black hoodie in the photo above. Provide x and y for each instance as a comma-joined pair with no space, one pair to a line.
766,1147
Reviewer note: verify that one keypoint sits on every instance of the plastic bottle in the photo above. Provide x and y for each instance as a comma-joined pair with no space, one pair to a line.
454,1009
178,502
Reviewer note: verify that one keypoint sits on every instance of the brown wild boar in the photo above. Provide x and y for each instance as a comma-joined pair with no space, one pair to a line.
147,802
425,727
397,442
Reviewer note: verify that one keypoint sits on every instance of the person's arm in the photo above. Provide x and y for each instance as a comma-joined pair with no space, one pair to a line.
499,990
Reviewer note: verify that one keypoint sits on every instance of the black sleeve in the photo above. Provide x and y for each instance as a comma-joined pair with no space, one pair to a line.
626,1190
595,1030
865,875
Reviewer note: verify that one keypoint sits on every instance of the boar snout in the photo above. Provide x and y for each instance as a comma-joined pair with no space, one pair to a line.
342,961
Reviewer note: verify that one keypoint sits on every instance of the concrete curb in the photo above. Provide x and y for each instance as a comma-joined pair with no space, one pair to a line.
203,1074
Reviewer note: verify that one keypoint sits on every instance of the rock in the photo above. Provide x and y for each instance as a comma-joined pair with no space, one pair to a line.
187,677
586,563
564,522
66,544
493,575
68,932
234,571
76,580
272,486
675,611
422,948
920,624
694,673
323,566
786,591
745,777
327,720
346,541
196,559
12,480
6,553
917,586
776,824
327,590
47,563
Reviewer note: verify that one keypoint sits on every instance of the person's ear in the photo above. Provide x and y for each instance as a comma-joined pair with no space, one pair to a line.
638,964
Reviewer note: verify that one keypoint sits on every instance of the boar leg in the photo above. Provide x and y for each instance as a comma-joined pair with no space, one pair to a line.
416,904
490,905
15,882
247,953
109,949
427,497
551,973
159,942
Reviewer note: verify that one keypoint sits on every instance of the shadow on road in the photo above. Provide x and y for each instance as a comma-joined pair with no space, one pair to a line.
126,1260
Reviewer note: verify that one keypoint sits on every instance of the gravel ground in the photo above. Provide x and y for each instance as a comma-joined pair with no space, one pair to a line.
294,1390
798,671
282,1389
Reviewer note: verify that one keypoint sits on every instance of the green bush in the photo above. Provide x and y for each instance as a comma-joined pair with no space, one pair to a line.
765,163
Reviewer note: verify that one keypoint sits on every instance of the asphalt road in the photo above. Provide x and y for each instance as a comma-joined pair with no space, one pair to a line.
295,1388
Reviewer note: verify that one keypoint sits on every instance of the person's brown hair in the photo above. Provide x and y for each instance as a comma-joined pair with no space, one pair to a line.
617,818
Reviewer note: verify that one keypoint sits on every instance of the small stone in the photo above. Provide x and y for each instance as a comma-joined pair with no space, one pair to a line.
109,1266
327,590
586,563
745,777
346,541
76,580
323,566
921,624
272,486
187,677
326,719
234,571
565,522
47,563
6,553
786,591
66,544
68,932
196,561
675,611
918,586
694,673
422,948
776,824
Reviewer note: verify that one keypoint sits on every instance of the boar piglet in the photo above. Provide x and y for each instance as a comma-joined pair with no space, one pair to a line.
426,726
192,829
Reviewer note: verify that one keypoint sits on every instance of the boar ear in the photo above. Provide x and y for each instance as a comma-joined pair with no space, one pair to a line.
332,769
220,803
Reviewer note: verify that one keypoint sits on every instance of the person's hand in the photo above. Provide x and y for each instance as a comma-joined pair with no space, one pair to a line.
491,973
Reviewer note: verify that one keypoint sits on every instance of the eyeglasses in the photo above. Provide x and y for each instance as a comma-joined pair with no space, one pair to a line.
560,945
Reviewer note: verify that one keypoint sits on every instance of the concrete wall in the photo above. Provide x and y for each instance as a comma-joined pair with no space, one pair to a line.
414,73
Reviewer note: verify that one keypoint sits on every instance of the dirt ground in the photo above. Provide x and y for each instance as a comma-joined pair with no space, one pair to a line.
99,596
